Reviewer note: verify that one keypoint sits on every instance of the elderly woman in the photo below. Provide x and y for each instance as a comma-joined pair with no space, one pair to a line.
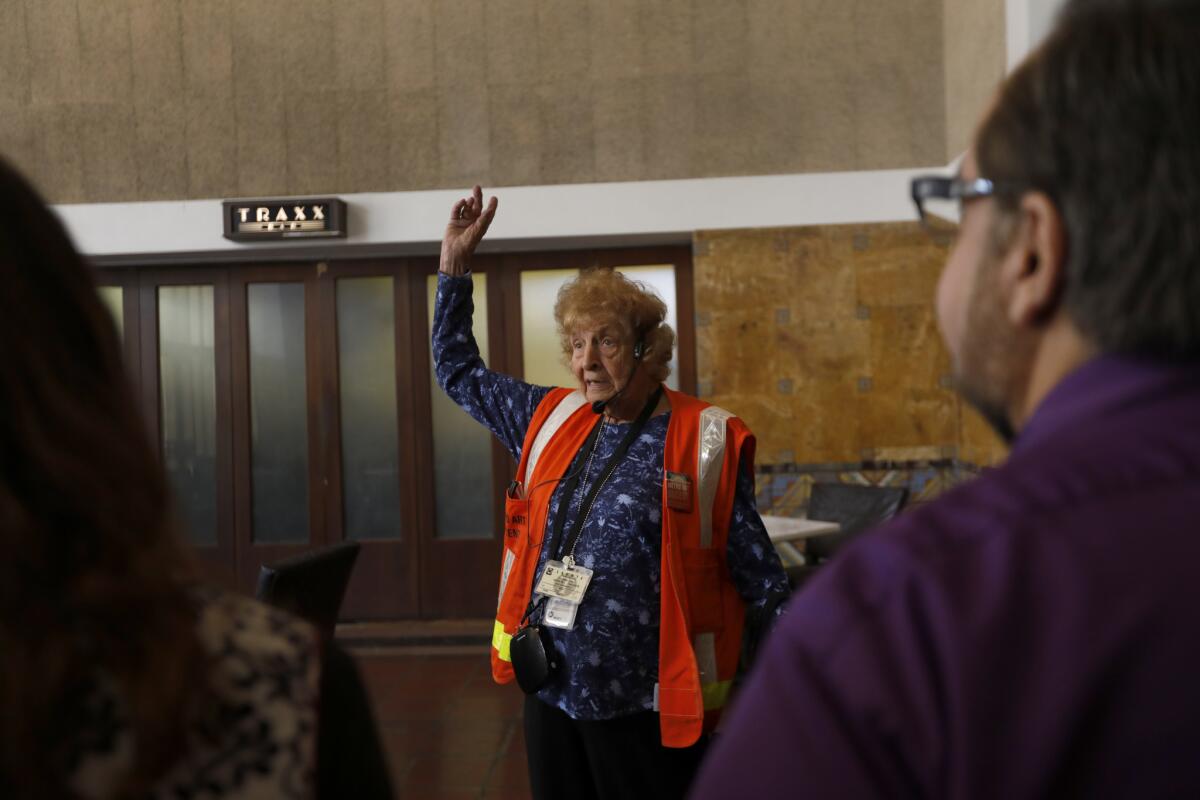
632,544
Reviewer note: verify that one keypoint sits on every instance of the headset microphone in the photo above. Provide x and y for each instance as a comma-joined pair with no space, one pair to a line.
639,350
599,406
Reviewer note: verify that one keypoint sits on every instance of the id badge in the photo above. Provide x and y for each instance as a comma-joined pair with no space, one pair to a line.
560,581
560,613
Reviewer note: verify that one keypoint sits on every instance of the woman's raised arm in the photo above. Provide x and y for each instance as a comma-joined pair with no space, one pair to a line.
502,403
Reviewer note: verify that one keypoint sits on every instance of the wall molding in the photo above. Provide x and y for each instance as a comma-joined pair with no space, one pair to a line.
529,218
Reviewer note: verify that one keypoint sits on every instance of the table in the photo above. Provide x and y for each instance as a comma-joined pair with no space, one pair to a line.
785,530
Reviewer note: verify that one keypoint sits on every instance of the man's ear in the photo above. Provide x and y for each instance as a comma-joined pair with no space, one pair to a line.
1033,271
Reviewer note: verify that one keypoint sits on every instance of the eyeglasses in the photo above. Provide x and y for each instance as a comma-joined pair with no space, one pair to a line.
939,200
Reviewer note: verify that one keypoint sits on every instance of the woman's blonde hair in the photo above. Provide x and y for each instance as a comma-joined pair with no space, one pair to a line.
605,296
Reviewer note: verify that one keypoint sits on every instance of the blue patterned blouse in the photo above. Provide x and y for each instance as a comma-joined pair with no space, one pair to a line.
610,658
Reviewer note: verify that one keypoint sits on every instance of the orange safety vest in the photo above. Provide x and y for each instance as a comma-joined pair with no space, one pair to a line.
701,615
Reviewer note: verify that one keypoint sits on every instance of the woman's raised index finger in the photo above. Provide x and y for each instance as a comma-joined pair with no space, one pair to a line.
485,218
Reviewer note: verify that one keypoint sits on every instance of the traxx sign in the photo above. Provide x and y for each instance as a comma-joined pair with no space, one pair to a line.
255,220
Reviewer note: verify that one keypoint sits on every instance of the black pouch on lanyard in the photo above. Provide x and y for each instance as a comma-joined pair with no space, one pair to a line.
534,659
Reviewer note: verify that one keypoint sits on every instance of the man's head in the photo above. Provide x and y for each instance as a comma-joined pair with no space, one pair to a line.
1093,146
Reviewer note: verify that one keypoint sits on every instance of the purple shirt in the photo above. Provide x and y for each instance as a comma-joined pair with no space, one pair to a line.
1034,633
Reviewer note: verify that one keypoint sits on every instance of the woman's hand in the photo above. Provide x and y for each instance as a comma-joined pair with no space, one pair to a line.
469,221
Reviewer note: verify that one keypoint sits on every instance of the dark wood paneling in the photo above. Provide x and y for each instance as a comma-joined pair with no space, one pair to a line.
148,353
506,277
685,315
226,472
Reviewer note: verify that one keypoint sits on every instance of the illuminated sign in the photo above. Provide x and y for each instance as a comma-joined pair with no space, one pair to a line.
299,218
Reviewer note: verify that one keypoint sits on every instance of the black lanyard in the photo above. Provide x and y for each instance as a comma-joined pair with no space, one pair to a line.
564,505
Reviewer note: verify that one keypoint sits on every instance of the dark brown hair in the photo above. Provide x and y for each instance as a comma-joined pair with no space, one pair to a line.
1105,119
92,578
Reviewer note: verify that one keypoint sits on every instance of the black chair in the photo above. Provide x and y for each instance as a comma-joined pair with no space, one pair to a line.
855,508
310,585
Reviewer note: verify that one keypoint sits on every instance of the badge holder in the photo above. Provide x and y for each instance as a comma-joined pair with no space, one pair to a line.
560,613
563,585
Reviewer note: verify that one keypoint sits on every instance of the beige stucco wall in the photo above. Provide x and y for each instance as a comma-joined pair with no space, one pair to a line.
974,48
109,100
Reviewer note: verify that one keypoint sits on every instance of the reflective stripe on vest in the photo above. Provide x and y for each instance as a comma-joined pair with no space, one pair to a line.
510,558
566,407
709,458
501,641
705,647
715,694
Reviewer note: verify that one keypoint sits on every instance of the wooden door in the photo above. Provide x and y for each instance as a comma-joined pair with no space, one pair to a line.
183,352
281,486
241,379
368,427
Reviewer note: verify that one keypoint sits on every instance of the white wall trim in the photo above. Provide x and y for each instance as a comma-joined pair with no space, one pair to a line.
534,217
1016,31
1026,23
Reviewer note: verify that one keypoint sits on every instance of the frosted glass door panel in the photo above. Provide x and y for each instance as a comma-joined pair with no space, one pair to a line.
661,279
366,321
541,347
188,399
113,298
278,412
462,448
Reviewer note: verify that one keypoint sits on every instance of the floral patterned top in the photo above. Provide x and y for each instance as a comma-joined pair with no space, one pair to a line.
609,660
259,741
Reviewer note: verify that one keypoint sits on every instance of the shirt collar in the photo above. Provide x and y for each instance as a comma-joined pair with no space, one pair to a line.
1104,384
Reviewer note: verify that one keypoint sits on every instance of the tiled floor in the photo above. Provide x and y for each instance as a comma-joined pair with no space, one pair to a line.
448,730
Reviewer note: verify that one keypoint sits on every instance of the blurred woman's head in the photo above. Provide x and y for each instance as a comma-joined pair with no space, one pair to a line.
92,574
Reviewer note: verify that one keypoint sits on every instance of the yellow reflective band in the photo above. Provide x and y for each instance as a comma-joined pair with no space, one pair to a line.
715,694
501,641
